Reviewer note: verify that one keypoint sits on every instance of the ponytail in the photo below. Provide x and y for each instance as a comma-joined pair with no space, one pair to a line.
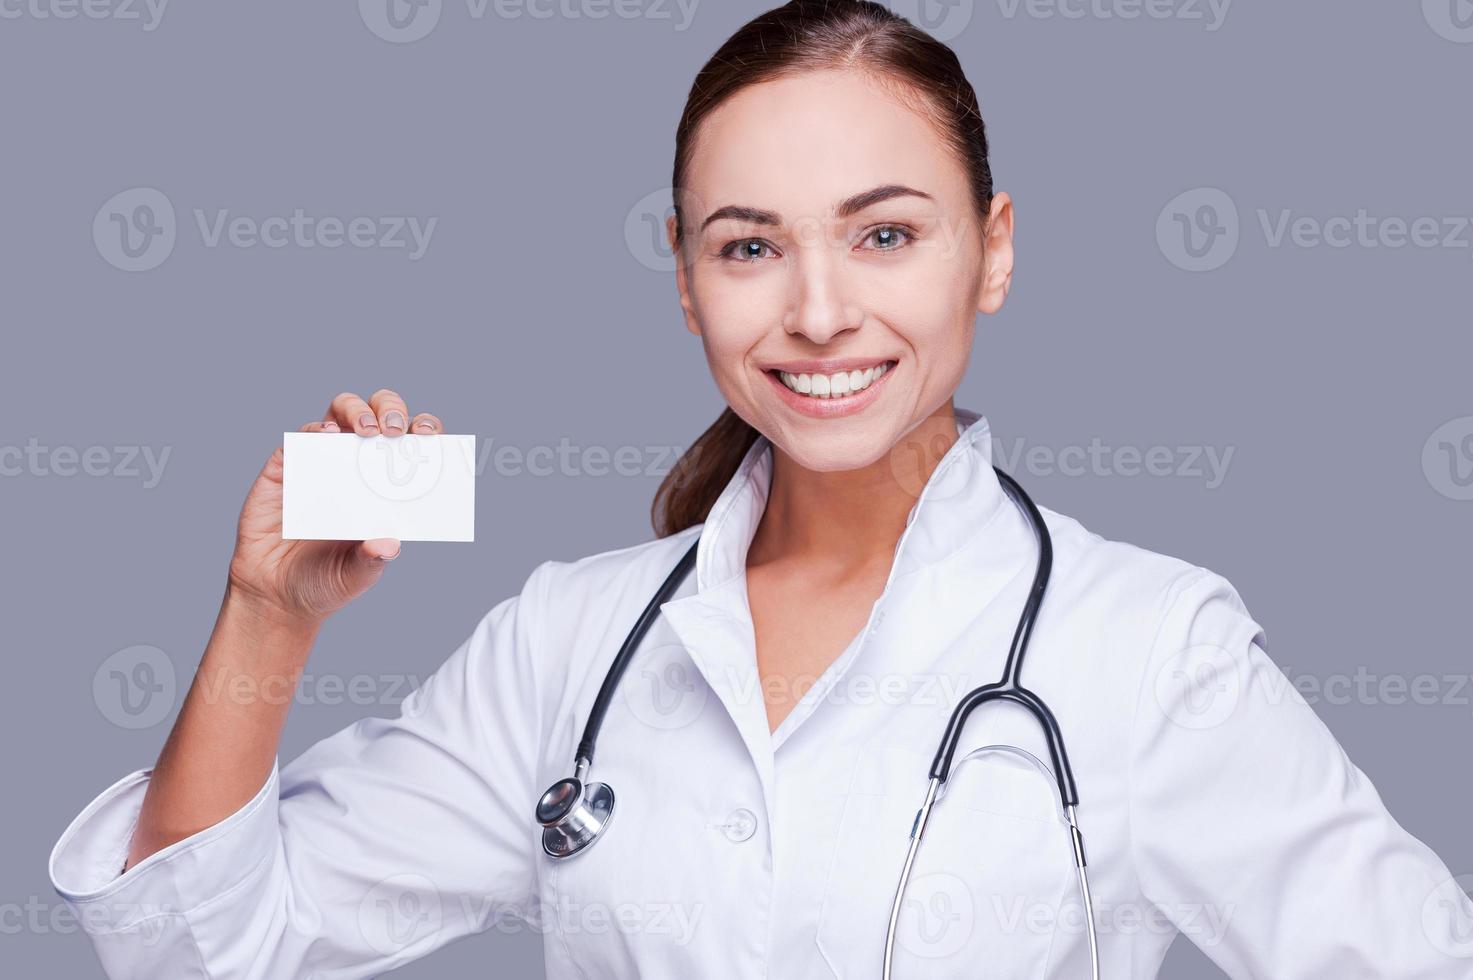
689,490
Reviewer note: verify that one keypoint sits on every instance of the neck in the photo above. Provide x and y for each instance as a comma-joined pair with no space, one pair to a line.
849,518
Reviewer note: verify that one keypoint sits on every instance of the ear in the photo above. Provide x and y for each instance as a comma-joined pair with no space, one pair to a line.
682,284
997,255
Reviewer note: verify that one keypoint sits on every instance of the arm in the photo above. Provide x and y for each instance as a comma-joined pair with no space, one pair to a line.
379,844
278,594
221,749
1257,835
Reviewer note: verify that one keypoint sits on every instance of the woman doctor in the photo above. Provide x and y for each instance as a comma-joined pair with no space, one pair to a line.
859,568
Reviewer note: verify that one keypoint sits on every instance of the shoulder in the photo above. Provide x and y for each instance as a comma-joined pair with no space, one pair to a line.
574,605
1150,599
609,576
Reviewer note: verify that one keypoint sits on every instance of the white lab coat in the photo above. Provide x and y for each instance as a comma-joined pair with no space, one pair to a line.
1213,800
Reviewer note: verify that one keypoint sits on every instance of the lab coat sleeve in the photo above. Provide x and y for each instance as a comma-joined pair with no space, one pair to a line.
1254,833
378,844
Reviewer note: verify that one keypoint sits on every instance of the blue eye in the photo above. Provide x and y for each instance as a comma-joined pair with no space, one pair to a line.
888,237
745,250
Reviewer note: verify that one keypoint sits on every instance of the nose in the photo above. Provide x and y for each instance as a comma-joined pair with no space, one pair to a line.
821,308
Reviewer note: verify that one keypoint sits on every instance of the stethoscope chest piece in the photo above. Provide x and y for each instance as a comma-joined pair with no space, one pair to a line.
573,814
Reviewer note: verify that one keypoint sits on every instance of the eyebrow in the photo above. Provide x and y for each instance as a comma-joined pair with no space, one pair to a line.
848,207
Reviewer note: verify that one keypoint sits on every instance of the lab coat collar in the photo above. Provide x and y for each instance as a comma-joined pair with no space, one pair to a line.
960,496
714,624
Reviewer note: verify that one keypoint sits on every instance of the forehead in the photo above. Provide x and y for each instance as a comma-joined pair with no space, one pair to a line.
800,144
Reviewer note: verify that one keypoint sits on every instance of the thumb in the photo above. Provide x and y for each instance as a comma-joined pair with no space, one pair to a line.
367,561
380,549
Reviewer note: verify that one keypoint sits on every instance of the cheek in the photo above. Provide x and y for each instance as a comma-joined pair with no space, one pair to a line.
934,315
735,313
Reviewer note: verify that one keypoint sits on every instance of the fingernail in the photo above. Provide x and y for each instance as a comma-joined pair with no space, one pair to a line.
394,420
330,427
425,424
367,422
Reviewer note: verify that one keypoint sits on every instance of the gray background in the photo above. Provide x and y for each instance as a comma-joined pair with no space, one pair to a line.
533,318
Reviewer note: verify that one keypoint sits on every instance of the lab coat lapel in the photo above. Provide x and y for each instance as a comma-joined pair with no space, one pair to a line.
714,623
928,602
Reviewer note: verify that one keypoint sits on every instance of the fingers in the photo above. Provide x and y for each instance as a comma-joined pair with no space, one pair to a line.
384,412
393,414
326,425
352,414
426,424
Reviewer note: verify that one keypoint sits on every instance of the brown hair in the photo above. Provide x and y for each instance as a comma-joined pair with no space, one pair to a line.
803,36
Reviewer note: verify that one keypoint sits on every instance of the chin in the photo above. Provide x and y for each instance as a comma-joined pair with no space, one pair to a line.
833,446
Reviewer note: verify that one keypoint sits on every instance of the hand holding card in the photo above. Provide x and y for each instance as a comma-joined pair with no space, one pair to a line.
332,505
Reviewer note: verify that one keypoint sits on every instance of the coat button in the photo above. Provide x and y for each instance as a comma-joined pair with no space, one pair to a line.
740,825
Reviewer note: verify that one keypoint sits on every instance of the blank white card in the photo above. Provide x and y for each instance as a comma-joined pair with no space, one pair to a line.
347,487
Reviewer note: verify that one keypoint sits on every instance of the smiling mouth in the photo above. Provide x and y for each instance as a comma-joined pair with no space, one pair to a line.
836,385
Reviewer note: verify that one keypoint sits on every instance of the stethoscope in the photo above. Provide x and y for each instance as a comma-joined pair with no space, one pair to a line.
574,813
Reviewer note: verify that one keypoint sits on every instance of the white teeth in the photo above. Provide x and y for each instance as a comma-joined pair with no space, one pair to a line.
835,385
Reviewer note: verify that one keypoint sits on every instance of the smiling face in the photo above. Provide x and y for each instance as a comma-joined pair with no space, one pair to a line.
833,264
